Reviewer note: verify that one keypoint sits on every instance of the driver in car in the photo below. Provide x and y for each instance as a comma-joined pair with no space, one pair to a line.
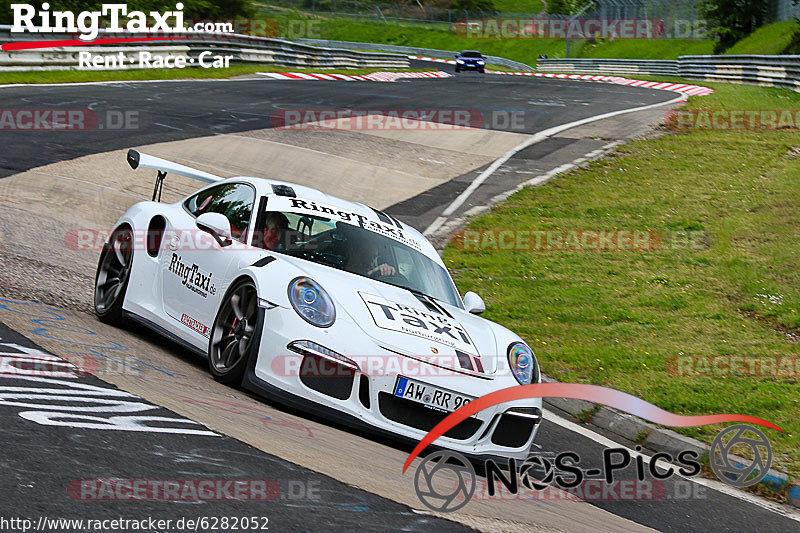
275,233
364,254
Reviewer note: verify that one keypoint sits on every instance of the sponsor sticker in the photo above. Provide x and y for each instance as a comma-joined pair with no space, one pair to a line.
418,322
194,324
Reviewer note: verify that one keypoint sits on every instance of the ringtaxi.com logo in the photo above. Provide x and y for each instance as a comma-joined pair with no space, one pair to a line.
87,23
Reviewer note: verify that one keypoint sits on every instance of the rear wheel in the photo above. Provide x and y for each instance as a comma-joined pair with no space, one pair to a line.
233,333
113,274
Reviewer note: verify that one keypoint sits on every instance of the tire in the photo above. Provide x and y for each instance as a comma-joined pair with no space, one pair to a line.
233,333
458,70
113,275
483,71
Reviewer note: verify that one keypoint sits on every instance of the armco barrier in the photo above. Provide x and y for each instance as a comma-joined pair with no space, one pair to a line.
242,48
410,50
655,67
774,71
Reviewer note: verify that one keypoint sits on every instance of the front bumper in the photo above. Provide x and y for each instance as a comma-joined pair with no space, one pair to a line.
366,399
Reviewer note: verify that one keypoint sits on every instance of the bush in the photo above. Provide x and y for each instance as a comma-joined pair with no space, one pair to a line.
794,45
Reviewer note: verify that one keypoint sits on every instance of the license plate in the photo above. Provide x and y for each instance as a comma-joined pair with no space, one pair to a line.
428,395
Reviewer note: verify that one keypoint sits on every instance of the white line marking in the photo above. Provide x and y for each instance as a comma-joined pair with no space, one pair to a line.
710,483
535,138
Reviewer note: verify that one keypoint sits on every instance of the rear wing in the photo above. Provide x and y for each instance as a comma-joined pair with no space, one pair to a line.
137,160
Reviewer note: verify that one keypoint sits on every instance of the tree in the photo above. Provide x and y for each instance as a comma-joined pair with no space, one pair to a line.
731,20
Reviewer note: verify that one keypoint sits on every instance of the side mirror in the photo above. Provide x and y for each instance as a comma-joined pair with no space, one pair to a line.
217,225
456,55
474,303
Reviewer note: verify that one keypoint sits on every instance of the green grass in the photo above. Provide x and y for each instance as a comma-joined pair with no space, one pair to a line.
769,39
73,76
647,49
727,203
519,6
523,50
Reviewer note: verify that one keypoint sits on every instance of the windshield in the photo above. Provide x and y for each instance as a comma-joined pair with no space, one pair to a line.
356,250
470,53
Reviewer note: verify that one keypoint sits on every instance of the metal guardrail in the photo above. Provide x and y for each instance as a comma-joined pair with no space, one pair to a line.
410,50
656,67
774,71
241,48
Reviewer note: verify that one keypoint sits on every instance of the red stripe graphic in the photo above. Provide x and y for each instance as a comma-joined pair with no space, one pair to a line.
76,42
592,393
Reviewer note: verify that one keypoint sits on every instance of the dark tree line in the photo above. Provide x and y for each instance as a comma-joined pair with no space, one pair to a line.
729,21
217,9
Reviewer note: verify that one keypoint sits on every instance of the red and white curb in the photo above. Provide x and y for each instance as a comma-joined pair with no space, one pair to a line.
434,59
691,90
375,76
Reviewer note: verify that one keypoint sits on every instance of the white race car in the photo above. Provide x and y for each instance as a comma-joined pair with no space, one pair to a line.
320,303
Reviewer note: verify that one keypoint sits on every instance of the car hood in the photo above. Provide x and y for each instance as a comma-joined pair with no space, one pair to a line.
399,321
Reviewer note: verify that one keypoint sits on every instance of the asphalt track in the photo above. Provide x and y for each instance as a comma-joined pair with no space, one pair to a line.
173,111
178,110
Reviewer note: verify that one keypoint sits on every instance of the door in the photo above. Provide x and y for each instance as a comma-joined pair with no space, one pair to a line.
196,269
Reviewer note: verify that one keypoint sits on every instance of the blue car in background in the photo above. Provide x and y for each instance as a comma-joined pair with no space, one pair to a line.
470,60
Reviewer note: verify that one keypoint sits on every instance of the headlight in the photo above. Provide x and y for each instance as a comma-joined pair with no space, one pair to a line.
459,61
312,302
480,61
523,363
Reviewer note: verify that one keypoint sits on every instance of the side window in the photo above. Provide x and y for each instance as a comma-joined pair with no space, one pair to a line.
234,200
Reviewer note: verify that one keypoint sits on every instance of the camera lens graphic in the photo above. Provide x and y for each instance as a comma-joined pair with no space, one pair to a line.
738,472
454,487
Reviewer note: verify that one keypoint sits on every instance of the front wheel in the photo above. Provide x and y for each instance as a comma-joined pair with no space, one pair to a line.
113,274
233,333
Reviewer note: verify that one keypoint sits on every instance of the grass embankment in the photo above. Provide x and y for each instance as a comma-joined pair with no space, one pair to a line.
519,6
769,39
74,76
726,280
523,50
